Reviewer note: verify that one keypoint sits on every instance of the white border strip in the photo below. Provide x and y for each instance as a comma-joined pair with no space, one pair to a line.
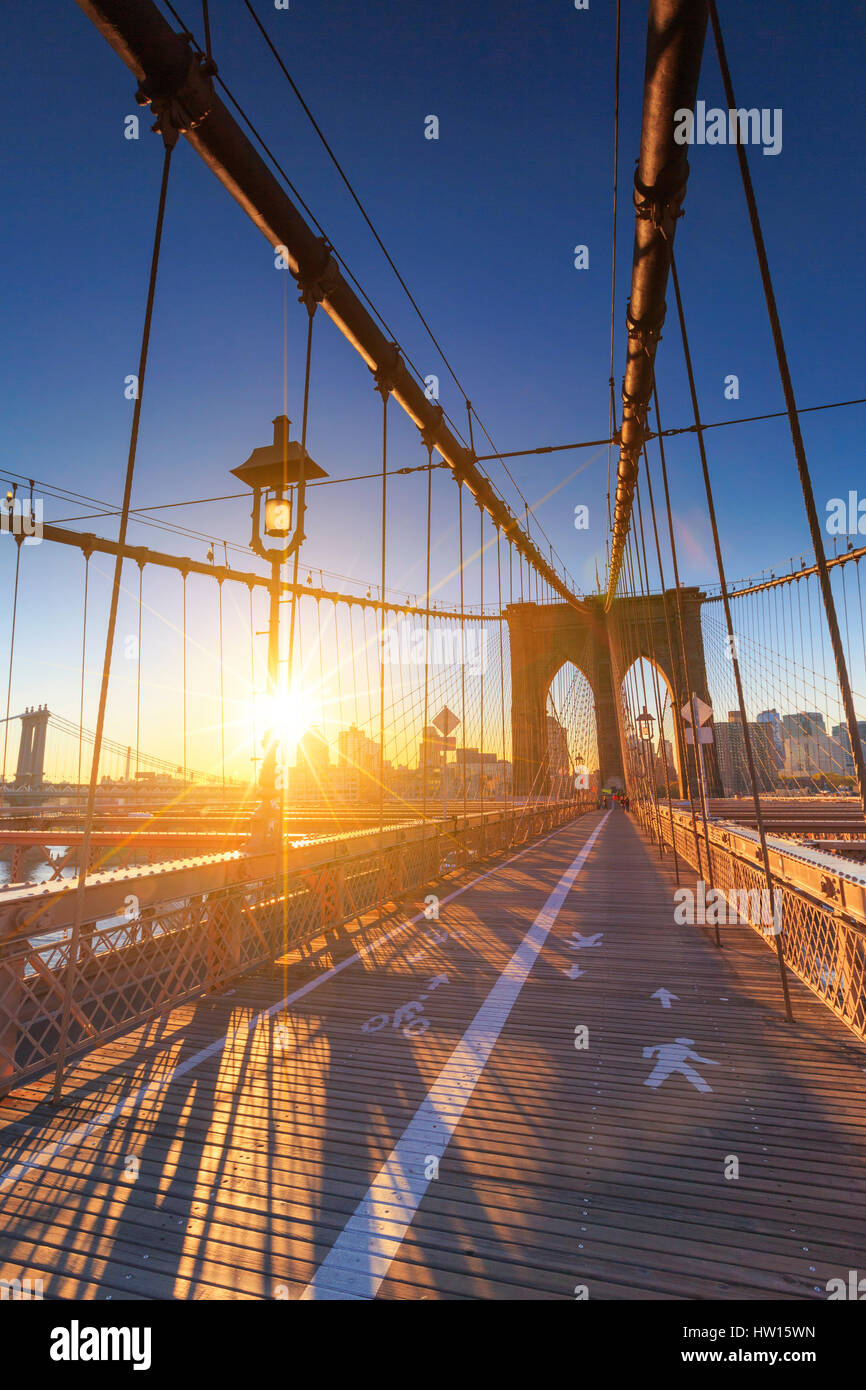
362,1254
40,1157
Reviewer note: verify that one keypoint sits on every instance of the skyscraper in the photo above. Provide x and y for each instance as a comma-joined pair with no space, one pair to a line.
772,719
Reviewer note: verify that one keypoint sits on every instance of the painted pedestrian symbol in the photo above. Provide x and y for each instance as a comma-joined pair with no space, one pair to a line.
675,1057
665,996
578,942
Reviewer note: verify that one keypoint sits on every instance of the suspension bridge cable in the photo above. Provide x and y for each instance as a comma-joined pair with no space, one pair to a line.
378,239
747,738
688,780
502,670
463,654
184,677
301,500
254,757
386,395
83,660
668,433
794,422
612,416
222,701
19,539
656,683
357,201
462,636
138,675
169,138
679,738
643,574
391,335
424,743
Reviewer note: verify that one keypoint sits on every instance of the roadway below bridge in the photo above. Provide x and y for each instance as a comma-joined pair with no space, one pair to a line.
553,1091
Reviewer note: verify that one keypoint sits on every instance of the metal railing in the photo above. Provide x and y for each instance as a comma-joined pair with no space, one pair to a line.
128,972
825,946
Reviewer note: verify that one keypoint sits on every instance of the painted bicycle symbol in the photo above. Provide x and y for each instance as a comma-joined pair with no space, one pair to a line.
409,1019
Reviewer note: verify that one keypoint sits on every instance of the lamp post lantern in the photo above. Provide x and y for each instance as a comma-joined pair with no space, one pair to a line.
271,472
645,722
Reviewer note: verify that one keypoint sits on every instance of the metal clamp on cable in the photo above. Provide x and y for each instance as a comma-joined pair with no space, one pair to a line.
660,203
387,372
182,100
646,331
317,282
634,408
430,433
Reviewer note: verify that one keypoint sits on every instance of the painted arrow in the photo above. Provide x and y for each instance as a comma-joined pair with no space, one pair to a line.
574,972
665,996
578,942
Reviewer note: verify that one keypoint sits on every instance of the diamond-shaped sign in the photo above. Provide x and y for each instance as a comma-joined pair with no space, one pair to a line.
446,721
704,711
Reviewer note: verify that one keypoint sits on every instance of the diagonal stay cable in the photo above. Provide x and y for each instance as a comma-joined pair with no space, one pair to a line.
380,243
72,960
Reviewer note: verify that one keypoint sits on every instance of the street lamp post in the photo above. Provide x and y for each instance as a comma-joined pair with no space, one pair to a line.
271,471
645,722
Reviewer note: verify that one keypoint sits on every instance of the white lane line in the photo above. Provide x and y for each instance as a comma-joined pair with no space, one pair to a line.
40,1157
362,1254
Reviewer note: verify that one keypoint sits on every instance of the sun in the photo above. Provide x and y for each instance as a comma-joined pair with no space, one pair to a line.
289,713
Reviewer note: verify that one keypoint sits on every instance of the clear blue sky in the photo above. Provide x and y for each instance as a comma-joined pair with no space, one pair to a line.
482,224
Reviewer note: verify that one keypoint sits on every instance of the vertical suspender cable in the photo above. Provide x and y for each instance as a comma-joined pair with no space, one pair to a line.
184,682
483,646
138,676
670,646
206,20
502,630
386,395
678,718
222,698
81,692
463,663
302,492
635,566
747,738
72,964
18,539
655,674
424,748
796,435
254,758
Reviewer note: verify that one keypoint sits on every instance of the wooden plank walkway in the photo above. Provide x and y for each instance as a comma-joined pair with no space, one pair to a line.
212,1155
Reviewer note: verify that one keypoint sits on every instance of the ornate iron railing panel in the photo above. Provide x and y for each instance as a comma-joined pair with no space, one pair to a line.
129,972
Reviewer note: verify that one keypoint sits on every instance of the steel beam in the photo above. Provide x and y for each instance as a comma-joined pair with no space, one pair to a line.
171,78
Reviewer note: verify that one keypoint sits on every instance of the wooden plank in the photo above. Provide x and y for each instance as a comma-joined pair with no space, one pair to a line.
565,1168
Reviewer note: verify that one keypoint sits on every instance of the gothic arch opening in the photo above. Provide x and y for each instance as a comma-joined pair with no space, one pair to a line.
651,749
572,733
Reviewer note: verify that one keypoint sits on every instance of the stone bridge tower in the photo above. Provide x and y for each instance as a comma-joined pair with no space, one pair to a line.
30,767
602,646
